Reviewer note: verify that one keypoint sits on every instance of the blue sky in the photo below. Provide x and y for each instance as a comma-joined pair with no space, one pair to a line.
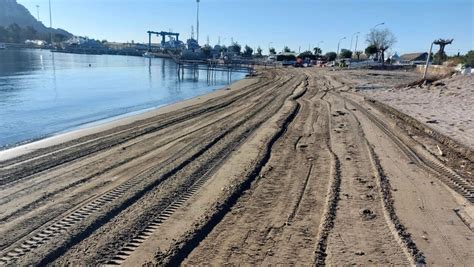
295,23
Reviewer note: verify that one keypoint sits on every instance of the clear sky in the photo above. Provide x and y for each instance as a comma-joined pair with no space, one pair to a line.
295,23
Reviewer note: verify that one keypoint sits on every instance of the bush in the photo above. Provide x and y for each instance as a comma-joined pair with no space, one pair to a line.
285,57
331,56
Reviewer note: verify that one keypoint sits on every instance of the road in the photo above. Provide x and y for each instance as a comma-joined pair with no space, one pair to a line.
292,168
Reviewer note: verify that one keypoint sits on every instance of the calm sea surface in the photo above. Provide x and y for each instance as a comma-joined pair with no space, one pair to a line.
44,93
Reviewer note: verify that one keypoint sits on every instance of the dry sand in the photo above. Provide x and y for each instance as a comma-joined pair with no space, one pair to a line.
446,106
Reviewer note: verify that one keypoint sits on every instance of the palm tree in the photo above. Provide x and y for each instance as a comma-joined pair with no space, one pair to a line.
317,51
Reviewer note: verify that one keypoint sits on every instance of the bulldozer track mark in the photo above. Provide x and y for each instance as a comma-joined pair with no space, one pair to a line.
332,199
446,175
398,230
47,233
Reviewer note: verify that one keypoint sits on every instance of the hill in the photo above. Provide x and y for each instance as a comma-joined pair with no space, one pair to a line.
17,24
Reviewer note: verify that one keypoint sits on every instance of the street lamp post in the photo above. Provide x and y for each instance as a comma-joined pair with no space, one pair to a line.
197,22
338,43
373,28
50,25
382,23
355,49
352,39
38,12
428,61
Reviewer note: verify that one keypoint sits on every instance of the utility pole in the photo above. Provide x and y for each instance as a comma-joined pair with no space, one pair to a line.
38,12
50,25
197,20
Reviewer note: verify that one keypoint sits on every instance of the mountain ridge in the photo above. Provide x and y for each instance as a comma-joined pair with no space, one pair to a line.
12,12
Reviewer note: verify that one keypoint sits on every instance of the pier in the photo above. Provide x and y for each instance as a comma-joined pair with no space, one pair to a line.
212,66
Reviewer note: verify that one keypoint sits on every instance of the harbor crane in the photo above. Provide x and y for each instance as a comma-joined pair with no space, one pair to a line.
163,36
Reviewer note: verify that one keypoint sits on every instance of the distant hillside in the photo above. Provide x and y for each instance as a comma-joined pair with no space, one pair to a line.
12,13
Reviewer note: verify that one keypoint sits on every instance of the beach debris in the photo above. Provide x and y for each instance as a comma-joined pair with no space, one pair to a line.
367,214
432,121
369,197
359,253
441,153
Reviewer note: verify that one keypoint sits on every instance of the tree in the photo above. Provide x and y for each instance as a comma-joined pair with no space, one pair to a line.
206,50
345,53
235,48
3,34
305,54
317,51
58,38
331,56
469,58
371,50
272,51
286,49
248,51
441,55
29,33
14,32
382,40
358,53
259,51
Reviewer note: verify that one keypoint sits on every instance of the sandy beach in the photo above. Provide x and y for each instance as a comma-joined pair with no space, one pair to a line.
293,166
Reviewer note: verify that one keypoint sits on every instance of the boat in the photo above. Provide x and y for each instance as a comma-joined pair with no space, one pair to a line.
156,55
3,46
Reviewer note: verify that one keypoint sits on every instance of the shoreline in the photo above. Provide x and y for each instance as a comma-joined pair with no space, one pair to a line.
116,121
